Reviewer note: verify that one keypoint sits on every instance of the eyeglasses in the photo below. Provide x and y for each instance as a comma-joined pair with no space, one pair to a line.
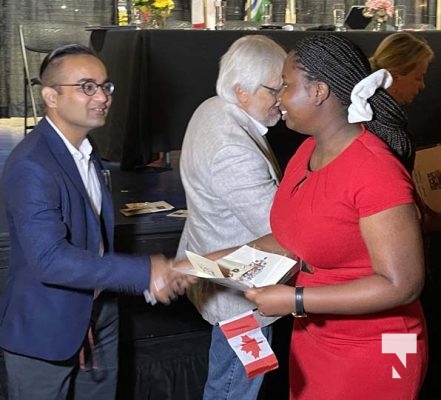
273,91
91,87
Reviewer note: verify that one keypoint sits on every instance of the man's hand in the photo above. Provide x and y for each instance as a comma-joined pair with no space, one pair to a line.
166,283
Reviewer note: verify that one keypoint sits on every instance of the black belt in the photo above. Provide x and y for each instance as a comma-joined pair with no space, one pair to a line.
305,267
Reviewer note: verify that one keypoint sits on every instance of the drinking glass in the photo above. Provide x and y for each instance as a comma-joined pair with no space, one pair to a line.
267,14
338,13
221,7
400,17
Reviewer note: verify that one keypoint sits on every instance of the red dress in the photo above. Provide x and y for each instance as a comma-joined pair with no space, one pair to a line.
337,356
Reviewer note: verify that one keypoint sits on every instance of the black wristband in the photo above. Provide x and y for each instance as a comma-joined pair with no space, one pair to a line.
300,311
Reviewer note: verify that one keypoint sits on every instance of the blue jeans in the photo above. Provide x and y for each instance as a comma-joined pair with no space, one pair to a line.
227,379
32,378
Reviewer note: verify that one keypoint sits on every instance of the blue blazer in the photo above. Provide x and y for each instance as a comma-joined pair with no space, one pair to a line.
54,267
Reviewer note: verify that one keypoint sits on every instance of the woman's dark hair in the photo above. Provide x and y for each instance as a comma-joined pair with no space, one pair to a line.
341,64
60,52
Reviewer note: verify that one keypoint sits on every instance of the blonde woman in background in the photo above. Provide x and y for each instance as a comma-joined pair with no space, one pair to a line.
407,58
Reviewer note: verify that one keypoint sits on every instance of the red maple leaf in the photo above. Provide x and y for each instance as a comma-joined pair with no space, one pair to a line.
250,345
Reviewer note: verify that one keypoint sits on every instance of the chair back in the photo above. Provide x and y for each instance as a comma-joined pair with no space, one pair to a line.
38,38
43,37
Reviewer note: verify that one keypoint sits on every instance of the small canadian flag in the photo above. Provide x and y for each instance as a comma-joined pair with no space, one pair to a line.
248,342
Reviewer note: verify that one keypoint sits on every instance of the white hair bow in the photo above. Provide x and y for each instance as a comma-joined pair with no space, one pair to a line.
360,110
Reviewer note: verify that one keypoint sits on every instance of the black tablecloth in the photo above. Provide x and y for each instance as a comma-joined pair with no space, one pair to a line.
150,184
165,368
163,349
151,234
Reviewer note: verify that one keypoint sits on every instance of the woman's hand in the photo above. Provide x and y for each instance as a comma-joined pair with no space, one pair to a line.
273,300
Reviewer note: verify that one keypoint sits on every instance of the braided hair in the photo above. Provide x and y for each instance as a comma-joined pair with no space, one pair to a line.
336,61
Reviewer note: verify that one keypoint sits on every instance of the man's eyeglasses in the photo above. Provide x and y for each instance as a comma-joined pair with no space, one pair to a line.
91,87
273,91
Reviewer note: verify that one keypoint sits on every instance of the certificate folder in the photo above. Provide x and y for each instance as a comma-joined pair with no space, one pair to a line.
244,268
427,176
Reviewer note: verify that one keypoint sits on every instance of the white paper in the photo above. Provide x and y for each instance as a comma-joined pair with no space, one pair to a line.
179,214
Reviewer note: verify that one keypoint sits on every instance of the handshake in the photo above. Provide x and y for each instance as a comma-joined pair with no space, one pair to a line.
166,283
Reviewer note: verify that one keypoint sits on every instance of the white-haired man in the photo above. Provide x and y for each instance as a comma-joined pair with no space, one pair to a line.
230,176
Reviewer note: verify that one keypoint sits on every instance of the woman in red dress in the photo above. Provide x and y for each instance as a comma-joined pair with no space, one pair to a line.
345,207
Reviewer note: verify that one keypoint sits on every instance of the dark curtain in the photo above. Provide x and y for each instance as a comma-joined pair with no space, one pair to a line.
13,12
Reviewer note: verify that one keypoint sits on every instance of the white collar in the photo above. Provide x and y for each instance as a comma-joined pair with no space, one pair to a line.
84,150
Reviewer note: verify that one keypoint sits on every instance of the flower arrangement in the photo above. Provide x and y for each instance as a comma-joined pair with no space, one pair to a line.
380,10
155,6
147,12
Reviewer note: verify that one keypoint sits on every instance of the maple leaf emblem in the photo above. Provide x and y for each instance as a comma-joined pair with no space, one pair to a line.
250,345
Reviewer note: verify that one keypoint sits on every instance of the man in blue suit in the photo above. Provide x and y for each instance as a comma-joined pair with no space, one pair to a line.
58,314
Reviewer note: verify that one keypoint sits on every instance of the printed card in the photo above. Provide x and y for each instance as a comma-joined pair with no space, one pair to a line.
145,208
